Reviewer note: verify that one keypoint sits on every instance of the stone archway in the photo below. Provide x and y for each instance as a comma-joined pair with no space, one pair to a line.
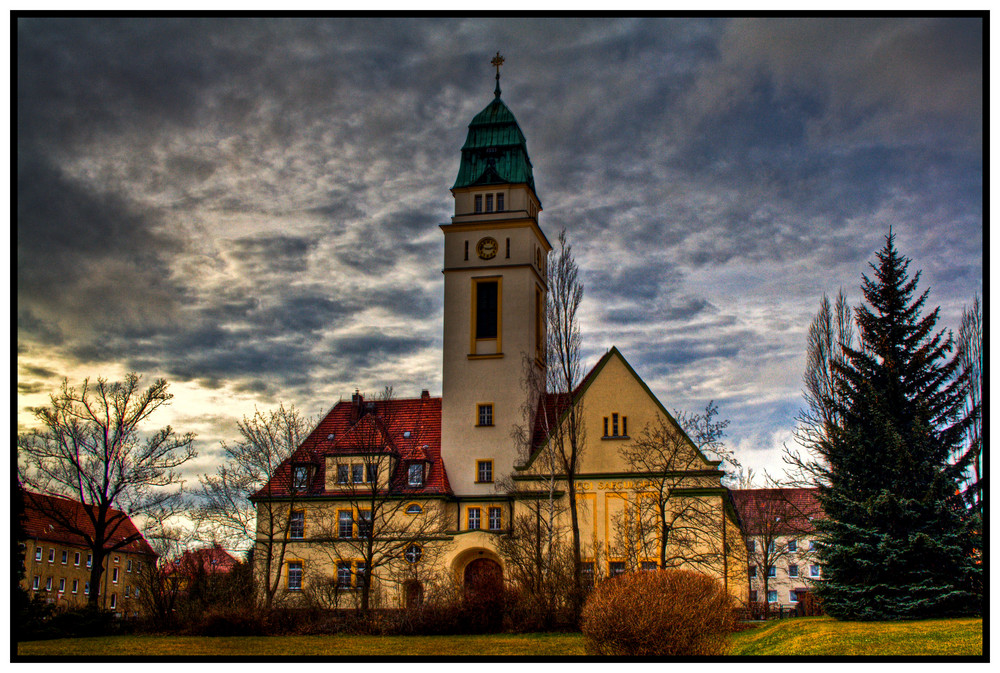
484,595
483,575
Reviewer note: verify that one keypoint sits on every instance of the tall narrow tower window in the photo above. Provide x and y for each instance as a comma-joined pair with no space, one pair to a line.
486,309
489,203
466,251
479,203
499,202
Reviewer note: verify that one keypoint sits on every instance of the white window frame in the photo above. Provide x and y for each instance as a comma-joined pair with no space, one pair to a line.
343,473
474,515
772,592
490,518
772,571
128,565
114,601
341,520
76,559
37,583
114,576
65,557
793,570
38,553
52,555
295,575
793,546
792,596
90,560
357,473
76,586
415,475
62,585
413,553
814,571
48,584
344,573
297,524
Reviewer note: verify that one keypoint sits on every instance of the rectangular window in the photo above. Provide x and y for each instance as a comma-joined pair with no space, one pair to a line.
648,565
90,560
364,523
587,574
416,475
345,524
343,574
128,591
606,427
301,480
295,576
772,596
624,426
772,571
484,414
793,597
753,595
114,601
76,559
76,585
297,525
484,471
614,425
508,249
372,470
752,546
62,584
753,572
65,557
38,553
86,588
487,305
343,473
36,583
116,559
813,571
489,203
466,251
114,576
138,566
473,518
48,584
479,203
52,555
793,571
616,568
793,545
500,205
128,566
359,573
494,521
357,473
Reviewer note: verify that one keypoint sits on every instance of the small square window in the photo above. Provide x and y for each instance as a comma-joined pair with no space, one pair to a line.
485,414
297,525
38,553
793,545
295,576
494,518
117,559
412,553
473,518
343,473
65,557
793,571
814,571
76,559
793,597
772,571
484,471
416,475
772,596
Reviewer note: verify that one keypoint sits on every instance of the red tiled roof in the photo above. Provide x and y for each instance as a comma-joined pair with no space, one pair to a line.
382,427
798,505
213,559
45,515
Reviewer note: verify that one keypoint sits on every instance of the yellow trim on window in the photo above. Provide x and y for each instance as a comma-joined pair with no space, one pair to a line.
472,327
492,476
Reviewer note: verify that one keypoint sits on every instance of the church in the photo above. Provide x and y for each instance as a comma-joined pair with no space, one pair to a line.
388,496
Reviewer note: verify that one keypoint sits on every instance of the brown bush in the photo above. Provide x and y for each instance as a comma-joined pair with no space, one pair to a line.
658,613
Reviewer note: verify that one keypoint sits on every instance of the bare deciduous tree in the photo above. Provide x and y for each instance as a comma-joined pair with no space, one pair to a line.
266,441
93,448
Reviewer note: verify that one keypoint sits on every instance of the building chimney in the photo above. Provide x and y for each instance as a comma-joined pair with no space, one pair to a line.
357,405
425,394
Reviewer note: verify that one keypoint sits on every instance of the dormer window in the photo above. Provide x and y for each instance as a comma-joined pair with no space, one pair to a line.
300,477
416,475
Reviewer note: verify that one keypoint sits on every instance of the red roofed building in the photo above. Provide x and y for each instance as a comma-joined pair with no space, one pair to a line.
432,483
779,527
207,561
58,561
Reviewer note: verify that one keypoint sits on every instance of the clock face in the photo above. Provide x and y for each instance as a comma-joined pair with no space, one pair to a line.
487,248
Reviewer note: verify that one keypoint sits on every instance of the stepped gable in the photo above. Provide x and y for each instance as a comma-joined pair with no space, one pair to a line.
799,505
44,512
354,427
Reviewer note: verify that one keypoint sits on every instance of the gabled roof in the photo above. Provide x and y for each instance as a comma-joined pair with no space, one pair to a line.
409,429
553,407
45,514
797,506
210,560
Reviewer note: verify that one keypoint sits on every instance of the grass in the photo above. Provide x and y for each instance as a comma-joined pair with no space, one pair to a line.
534,645
806,636
824,636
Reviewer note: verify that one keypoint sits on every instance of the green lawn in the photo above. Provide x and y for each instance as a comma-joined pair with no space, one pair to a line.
828,637
789,637
540,644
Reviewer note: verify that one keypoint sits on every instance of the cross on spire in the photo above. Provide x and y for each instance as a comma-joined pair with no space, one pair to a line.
497,62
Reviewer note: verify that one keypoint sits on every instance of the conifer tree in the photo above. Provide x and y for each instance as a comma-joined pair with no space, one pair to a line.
898,542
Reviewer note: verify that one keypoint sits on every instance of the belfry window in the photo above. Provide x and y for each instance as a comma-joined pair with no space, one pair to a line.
499,202
489,203
479,203
487,295
617,427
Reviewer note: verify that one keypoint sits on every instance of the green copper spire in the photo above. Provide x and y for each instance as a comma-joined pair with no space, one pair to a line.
495,151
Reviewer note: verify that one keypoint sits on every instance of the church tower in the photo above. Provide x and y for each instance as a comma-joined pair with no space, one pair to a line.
495,259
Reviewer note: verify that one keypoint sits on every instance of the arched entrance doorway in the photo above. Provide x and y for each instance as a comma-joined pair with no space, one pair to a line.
483,582
483,575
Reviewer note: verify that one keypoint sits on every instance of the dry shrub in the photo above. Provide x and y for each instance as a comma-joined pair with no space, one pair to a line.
658,613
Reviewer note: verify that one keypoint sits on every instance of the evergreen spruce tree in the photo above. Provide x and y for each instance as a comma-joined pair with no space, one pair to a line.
898,541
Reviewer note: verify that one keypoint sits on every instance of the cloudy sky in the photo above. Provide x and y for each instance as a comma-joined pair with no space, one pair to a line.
249,208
